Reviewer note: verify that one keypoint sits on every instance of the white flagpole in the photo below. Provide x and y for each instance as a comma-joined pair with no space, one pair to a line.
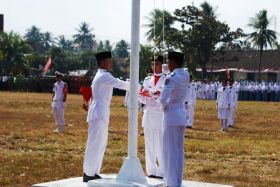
131,169
134,80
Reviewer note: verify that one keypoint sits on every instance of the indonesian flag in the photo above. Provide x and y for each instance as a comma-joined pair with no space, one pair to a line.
47,66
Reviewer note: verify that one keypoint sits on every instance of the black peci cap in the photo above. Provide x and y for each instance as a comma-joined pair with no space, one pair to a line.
103,55
176,56
157,58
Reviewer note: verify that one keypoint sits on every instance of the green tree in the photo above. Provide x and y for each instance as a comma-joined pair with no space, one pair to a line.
85,38
121,49
120,53
262,36
108,46
201,33
159,30
64,43
104,46
47,40
100,46
13,50
34,38
146,52
277,45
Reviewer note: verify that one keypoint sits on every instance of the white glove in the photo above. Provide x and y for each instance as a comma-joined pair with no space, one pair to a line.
165,69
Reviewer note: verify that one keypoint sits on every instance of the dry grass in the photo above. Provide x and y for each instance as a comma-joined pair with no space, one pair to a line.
30,153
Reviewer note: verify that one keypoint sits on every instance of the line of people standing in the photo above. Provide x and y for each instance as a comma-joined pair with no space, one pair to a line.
247,90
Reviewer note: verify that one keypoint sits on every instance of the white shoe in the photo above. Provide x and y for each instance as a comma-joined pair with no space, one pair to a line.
56,130
59,129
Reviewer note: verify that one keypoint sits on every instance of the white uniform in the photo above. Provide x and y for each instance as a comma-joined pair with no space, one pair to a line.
98,119
212,91
152,124
57,103
233,105
203,91
174,120
191,104
223,101
223,104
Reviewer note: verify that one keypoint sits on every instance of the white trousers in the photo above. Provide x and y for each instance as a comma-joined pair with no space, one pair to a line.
95,148
212,97
58,112
153,151
231,117
173,155
190,112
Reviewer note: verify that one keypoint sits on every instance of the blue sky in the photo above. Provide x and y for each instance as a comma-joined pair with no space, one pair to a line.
110,19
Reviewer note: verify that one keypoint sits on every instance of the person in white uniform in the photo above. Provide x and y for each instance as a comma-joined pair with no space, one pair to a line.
60,90
172,100
223,104
98,115
152,119
190,105
233,102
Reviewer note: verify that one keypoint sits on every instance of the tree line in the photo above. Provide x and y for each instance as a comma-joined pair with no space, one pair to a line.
200,36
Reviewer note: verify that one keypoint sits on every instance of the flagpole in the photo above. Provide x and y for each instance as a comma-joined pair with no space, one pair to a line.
134,80
131,169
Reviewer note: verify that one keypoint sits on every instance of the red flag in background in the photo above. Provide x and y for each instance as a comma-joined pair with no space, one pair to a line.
47,66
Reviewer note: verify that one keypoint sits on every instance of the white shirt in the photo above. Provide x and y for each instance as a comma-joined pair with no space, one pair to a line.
148,84
233,97
58,91
102,91
192,94
173,98
223,97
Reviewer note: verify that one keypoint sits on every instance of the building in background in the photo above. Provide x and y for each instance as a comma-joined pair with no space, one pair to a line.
244,65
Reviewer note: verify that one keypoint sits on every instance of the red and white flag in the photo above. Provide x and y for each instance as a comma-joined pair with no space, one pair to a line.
47,66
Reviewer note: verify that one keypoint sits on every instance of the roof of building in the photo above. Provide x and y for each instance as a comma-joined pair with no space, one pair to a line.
246,61
78,72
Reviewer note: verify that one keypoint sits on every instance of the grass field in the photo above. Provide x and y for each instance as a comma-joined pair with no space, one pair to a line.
248,155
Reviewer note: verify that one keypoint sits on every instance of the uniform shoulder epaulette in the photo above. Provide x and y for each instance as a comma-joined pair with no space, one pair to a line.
146,78
172,73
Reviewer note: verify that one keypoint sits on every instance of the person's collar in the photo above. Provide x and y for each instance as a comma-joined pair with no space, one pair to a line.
158,74
178,70
102,70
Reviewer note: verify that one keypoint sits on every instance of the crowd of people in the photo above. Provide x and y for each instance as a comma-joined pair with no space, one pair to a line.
168,98
205,89
247,90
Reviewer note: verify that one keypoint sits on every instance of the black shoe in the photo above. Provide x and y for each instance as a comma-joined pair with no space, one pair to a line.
188,127
230,126
87,178
152,176
97,176
159,177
